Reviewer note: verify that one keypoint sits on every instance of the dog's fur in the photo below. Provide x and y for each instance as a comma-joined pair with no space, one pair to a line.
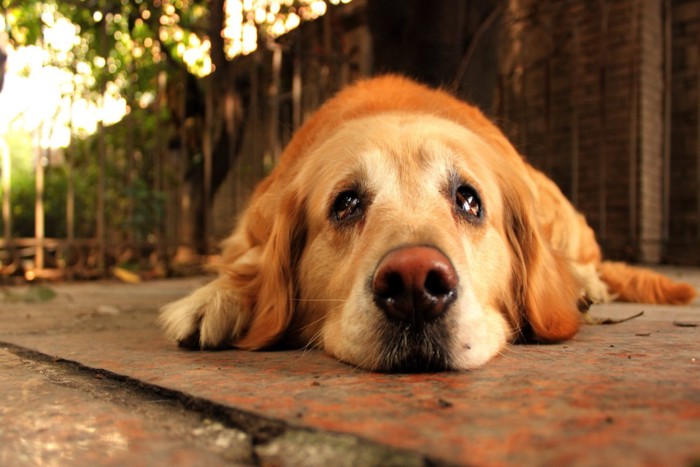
296,272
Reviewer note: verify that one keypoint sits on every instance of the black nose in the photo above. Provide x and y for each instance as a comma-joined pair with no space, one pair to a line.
414,284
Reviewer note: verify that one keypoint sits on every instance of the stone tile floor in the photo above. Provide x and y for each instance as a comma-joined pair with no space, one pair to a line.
88,379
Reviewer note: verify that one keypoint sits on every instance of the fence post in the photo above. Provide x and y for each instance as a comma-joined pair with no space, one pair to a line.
6,167
39,206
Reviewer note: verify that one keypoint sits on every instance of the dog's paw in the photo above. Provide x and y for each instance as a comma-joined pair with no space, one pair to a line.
592,286
210,318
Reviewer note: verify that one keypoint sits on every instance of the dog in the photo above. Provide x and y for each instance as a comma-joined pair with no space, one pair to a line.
401,231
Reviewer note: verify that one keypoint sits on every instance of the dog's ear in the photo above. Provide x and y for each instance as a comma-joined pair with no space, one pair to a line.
544,291
258,262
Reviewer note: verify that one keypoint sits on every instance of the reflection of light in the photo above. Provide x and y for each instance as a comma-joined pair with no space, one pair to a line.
82,68
319,8
292,21
62,36
260,15
245,19
146,99
113,105
277,28
240,34
47,99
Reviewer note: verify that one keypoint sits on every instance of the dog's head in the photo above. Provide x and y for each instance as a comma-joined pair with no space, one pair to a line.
399,238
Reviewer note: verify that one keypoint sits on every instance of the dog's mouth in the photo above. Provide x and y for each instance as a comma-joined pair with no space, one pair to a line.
415,347
414,288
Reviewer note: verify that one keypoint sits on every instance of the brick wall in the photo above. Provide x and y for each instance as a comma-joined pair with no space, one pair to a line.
683,228
582,96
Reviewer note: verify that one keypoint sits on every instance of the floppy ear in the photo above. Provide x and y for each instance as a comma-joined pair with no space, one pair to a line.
545,292
275,232
250,304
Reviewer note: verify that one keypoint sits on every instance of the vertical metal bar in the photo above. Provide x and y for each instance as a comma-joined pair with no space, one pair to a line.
602,143
575,130
254,124
503,116
523,117
6,191
548,160
634,121
275,101
328,66
182,235
161,182
130,149
70,182
207,150
296,84
100,230
39,206
101,161
70,204
697,153
666,202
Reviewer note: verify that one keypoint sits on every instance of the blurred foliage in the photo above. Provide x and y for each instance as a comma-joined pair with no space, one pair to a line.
23,158
117,39
127,45
143,51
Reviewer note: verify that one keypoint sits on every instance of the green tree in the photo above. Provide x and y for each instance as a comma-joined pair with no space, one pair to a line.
171,61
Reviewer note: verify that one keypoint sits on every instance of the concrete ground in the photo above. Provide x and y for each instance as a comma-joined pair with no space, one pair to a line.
88,379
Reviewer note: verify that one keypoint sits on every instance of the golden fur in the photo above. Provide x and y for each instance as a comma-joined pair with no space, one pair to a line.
293,274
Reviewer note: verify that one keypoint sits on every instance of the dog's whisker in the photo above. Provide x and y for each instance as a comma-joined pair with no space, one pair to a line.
312,323
312,343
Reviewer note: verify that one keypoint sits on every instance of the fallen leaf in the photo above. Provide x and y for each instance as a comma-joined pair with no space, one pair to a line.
589,319
687,324
126,275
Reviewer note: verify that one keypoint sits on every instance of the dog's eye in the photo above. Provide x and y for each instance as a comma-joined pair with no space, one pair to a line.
347,206
468,201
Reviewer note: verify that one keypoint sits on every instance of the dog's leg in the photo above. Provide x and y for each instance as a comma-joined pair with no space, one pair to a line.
211,317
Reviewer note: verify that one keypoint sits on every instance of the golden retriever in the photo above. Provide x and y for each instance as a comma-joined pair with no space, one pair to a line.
401,231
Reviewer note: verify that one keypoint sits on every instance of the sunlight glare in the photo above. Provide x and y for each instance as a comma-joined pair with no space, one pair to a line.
240,33
48,97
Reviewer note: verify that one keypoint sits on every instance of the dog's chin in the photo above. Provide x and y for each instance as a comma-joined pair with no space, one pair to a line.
465,337
415,347
434,346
